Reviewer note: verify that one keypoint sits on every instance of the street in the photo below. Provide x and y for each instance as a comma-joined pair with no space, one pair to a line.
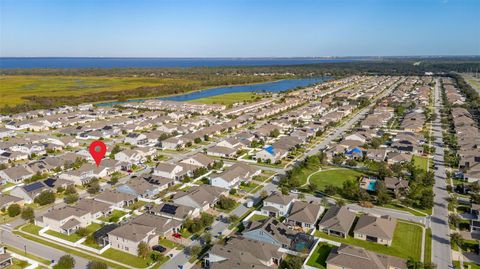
441,251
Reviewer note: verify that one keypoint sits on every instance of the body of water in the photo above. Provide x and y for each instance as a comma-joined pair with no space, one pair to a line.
68,62
276,86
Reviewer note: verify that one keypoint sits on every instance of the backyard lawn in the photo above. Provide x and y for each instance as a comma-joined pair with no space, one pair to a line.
129,259
72,238
421,162
334,177
114,217
257,217
248,187
93,227
320,255
407,241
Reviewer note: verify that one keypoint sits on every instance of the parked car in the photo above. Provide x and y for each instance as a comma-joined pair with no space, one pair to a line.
159,248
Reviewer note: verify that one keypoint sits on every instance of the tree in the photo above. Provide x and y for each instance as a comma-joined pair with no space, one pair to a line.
143,250
197,140
156,256
330,190
45,198
70,189
453,219
28,213
383,171
274,133
264,194
226,203
71,198
232,218
97,265
301,196
14,210
194,251
94,187
65,262
457,239
382,194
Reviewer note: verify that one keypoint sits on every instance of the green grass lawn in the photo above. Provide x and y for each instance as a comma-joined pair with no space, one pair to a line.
466,265
170,244
94,227
116,214
59,246
406,209
31,228
72,238
406,243
257,217
427,257
226,99
18,264
126,258
334,177
421,162
249,187
320,255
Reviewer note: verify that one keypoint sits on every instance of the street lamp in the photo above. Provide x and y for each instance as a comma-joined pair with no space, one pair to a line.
25,248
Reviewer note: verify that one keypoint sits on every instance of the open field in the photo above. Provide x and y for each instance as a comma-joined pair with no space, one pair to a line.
21,93
226,99
407,241
334,177
13,88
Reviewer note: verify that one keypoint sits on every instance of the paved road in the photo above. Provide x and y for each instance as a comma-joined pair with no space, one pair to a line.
441,252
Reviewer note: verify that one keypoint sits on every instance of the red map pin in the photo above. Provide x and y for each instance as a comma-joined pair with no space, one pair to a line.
97,150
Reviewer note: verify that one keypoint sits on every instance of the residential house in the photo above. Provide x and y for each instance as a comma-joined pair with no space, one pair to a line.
16,174
374,229
116,198
6,200
202,197
337,221
65,220
174,211
270,231
238,252
96,208
347,256
219,151
277,205
139,188
234,175
30,191
304,215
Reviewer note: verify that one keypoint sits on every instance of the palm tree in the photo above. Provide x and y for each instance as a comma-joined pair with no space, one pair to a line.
143,250
457,239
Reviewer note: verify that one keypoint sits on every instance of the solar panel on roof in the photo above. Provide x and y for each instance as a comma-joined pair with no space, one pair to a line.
34,186
169,209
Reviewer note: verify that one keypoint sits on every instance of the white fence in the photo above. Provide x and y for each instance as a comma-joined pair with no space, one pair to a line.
33,263
77,244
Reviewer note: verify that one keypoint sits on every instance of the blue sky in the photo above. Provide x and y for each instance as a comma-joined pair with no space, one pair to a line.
238,28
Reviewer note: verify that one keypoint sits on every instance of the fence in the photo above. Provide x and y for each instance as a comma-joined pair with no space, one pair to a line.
78,243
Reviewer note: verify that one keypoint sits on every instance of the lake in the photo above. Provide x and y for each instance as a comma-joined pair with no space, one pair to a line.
82,62
275,86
